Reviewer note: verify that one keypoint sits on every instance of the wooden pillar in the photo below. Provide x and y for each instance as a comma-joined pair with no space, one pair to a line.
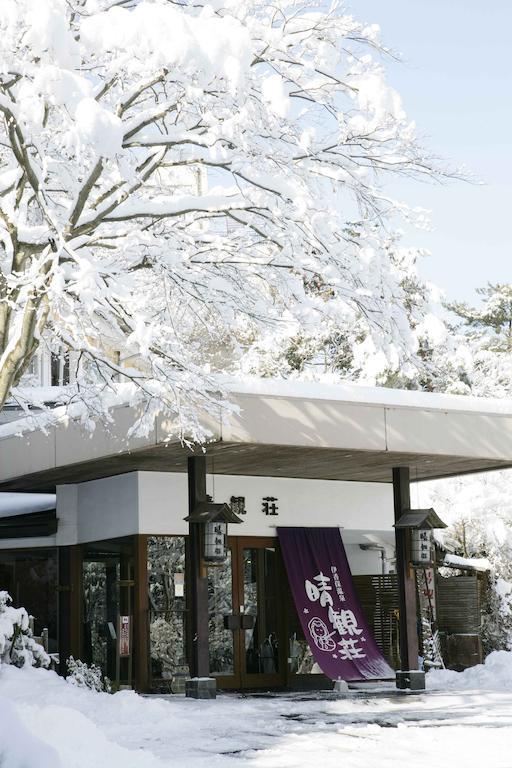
69,605
197,580
141,615
408,627
124,671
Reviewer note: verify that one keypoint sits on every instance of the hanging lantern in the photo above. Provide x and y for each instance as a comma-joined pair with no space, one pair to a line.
422,548
215,542
421,523
214,519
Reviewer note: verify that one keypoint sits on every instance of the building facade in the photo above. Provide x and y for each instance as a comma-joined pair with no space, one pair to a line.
126,541
117,576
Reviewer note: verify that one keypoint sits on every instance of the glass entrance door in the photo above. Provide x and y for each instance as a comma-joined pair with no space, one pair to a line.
246,649
107,588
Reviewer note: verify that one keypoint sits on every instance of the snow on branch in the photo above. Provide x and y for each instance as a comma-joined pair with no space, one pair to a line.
184,190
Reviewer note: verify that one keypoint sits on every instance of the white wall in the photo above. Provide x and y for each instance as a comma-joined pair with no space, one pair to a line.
156,503
163,502
67,515
107,508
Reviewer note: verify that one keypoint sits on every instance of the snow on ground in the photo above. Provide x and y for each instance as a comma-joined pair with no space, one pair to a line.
464,719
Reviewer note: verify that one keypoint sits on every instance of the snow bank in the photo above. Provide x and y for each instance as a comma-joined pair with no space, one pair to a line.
495,675
125,730
19,748
74,721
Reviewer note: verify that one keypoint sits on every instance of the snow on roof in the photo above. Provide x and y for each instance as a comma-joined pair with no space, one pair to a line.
382,397
379,396
12,503
470,563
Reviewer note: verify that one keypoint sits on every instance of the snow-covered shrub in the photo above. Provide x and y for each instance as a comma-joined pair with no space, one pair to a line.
84,675
17,646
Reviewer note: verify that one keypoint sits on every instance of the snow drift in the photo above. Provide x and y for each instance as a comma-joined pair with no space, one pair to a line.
495,674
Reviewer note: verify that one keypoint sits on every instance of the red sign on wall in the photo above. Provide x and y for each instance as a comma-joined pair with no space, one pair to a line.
124,636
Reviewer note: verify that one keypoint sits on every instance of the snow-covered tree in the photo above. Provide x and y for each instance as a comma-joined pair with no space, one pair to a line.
487,330
174,181
493,319
479,513
346,349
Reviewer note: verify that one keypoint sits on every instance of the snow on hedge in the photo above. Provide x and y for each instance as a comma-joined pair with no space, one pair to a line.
17,646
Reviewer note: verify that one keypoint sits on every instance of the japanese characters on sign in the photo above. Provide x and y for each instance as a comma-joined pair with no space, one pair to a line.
421,547
269,506
215,542
427,590
327,604
343,637
237,504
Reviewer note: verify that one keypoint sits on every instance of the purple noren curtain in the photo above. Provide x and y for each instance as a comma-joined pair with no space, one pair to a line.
327,605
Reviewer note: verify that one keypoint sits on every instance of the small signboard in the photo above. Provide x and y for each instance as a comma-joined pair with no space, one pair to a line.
428,591
179,585
124,636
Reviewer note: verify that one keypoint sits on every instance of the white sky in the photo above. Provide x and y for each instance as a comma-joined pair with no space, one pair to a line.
456,83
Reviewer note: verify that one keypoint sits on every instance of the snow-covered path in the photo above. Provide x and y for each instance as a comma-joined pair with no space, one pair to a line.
453,724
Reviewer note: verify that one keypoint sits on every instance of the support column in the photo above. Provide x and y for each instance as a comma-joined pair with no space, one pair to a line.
408,676
124,664
201,686
69,605
141,615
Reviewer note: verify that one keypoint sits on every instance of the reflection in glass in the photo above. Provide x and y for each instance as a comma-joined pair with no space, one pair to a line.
101,601
260,602
107,588
167,618
220,604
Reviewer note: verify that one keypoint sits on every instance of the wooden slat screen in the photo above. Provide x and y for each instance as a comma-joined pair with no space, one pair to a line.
379,600
459,605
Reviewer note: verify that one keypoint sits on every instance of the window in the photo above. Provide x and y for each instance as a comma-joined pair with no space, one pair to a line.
59,369
30,577
167,617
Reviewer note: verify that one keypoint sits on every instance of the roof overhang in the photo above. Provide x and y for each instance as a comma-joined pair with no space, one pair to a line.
292,430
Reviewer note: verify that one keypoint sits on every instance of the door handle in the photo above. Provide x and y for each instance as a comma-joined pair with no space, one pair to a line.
232,621
247,621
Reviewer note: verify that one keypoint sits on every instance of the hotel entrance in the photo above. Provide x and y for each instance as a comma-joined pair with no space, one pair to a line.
246,620
107,593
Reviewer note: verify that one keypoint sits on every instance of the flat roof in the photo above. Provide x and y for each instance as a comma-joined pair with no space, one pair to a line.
377,396
282,429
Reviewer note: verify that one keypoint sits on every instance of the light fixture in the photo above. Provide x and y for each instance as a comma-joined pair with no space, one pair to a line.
214,519
421,523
